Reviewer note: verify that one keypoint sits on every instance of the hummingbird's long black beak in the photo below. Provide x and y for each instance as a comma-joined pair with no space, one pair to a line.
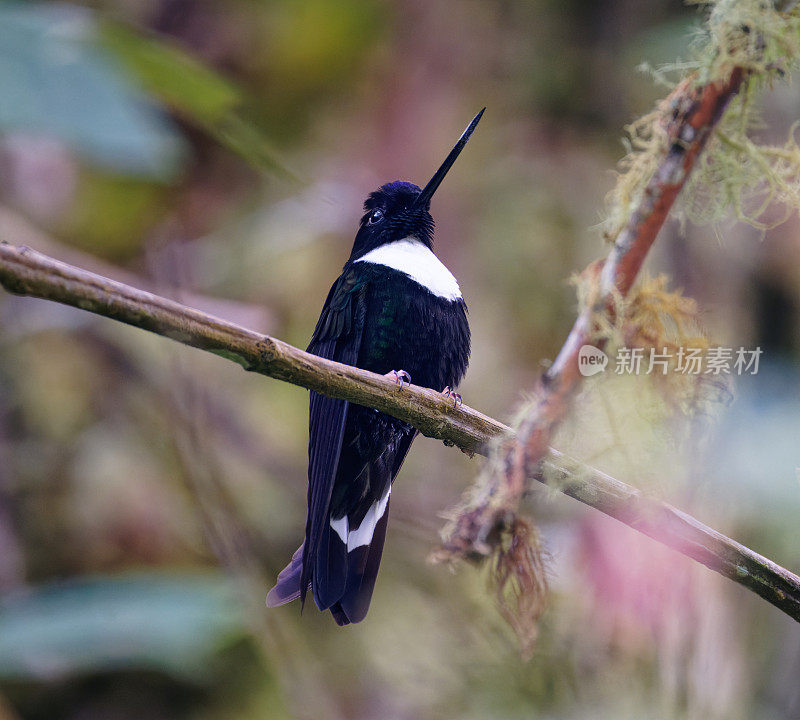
424,198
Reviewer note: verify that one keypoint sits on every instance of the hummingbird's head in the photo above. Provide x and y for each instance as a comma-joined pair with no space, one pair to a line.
391,214
400,210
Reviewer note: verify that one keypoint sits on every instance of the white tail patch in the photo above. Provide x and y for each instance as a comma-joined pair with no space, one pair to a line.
362,535
411,257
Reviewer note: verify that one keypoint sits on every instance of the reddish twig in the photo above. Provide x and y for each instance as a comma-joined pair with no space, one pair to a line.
692,113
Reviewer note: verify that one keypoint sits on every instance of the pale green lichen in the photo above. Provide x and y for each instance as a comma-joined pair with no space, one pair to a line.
645,145
758,184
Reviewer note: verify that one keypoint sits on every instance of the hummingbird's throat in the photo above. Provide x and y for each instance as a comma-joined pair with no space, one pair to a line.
412,257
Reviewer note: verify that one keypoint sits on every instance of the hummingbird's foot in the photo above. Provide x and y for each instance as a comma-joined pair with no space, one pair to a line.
450,393
399,376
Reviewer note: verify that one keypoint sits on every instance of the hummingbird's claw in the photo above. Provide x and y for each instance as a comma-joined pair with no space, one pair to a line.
399,376
450,393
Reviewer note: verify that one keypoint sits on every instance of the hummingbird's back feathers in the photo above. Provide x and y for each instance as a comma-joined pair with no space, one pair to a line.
344,308
337,337
394,307
375,317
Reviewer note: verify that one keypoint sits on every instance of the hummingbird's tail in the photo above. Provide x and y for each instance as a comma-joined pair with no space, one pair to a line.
347,567
345,578
342,552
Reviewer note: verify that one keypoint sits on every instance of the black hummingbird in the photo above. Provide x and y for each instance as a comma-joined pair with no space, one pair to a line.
394,310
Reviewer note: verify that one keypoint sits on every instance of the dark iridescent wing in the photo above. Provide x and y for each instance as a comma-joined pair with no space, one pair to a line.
336,337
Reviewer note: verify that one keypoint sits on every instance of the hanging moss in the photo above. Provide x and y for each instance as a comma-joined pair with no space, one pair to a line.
758,184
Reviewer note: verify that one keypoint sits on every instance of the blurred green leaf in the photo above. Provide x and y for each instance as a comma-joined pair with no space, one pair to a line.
195,92
169,623
56,81
176,77
317,43
111,214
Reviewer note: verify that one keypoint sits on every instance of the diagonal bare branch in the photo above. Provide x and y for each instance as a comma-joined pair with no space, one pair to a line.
26,272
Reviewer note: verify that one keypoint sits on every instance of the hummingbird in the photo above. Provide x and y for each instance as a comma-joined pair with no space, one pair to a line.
398,311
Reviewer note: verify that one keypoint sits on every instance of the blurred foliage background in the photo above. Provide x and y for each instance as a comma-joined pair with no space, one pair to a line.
219,152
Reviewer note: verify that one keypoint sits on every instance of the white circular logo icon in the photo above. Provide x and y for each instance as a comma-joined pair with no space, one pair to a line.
591,360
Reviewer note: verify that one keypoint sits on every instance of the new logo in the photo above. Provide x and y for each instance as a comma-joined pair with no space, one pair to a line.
591,360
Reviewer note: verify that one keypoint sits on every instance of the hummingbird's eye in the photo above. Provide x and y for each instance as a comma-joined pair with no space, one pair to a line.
375,216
